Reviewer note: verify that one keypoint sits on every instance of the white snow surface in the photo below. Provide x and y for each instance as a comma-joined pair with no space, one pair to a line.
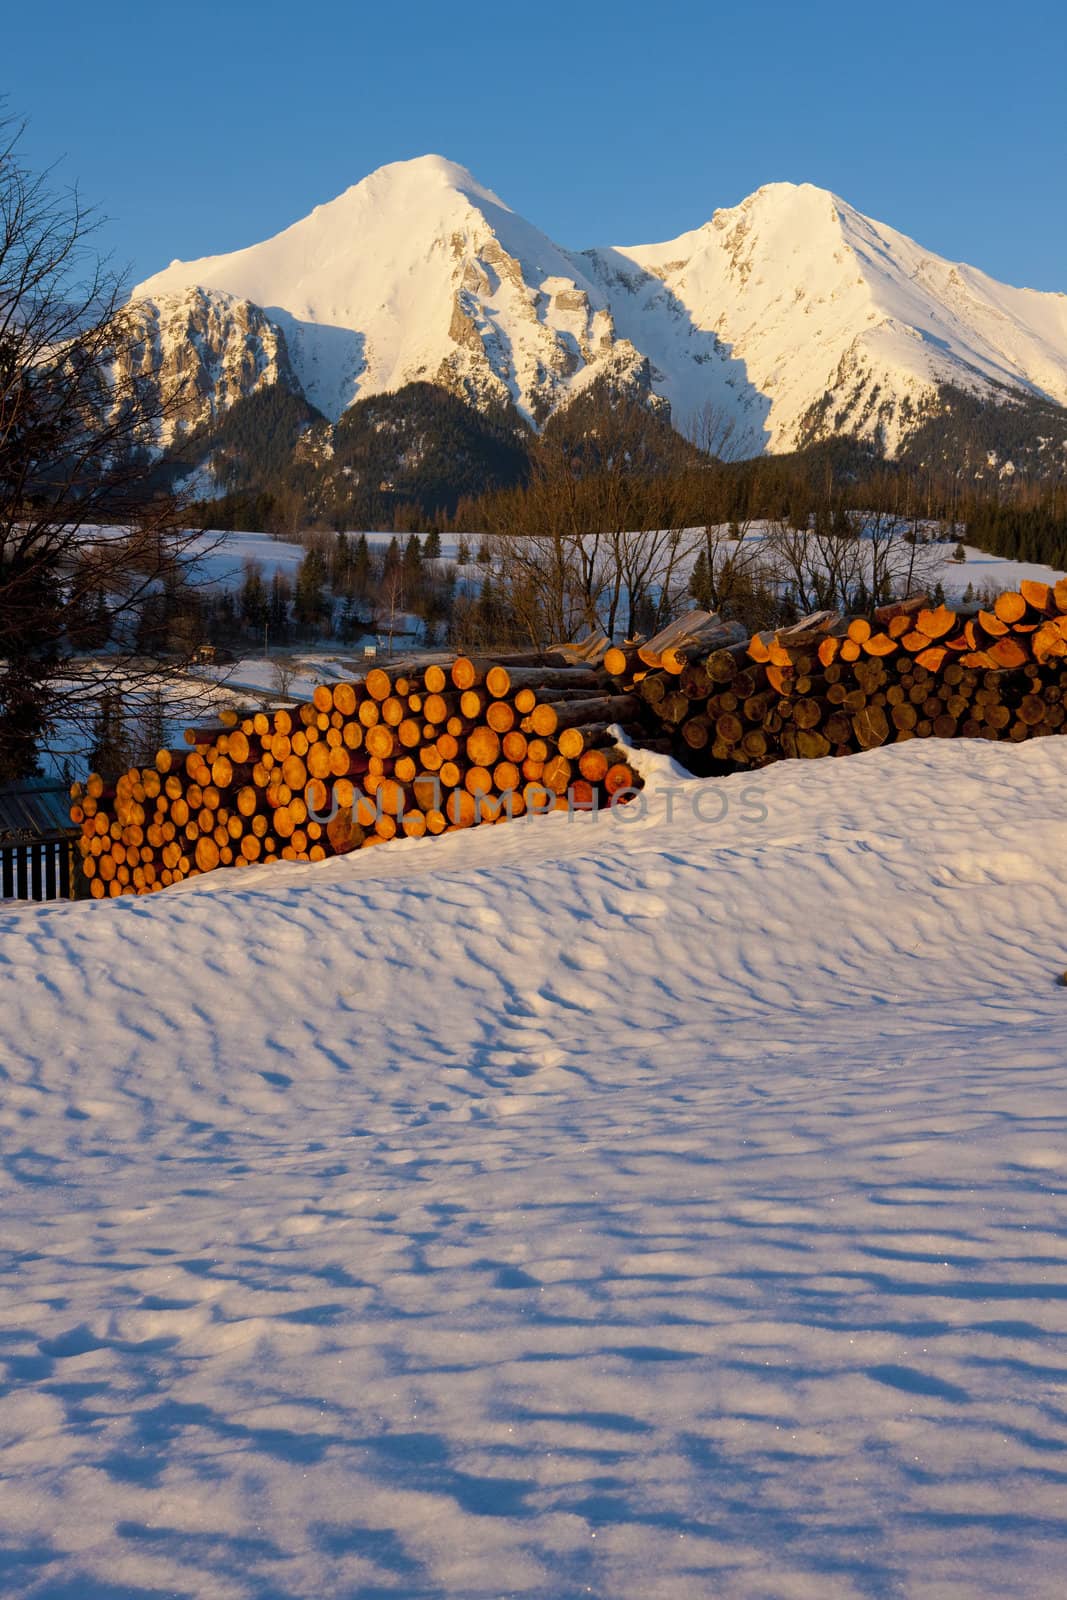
419,272
644,1209
988,573
221,557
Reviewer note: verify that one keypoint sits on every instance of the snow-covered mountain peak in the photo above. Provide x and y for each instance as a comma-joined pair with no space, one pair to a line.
784,205
824,320
421,273
407,179
790,316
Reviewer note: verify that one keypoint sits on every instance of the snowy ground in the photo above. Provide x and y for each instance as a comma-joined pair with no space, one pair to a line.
988,572
221,557
640,1210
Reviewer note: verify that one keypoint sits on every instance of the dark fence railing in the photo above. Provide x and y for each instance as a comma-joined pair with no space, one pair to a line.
36,841
39,871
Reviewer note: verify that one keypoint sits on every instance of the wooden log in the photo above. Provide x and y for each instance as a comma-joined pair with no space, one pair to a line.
810,745
619,777
621,661
1010,607
935,624
699,643
461,809
650,652
345,696
378,684
572,741
548,719
1008,653
870,727
898,610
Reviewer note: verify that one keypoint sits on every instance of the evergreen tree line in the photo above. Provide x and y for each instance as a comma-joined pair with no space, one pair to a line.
345,587
423,457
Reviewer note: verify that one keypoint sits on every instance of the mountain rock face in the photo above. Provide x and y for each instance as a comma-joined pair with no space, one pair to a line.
208,350
420,274
782,321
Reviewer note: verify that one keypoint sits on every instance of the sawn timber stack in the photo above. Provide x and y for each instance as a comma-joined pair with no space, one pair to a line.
404,753
416,751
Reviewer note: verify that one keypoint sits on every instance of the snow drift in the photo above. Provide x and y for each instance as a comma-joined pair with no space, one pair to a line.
635,1209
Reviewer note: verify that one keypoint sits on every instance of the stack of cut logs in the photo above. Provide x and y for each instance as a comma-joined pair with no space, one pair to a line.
425,749
408,752
830,685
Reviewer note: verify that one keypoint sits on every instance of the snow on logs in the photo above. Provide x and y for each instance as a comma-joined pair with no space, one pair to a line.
405,753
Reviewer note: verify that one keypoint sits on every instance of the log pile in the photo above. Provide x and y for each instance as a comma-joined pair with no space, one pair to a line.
404,753
831,685
424,749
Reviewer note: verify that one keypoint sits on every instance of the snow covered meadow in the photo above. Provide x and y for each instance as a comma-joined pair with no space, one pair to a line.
655,1207
222,558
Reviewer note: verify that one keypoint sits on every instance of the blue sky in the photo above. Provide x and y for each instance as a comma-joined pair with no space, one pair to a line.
205,128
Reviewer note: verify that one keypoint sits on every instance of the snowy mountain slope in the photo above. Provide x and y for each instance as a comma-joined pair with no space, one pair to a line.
420,273
807,297
648,1210
791,316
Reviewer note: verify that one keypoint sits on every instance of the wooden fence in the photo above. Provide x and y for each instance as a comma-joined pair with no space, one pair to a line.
36,853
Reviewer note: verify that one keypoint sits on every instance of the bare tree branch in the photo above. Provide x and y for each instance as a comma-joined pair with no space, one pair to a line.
89,537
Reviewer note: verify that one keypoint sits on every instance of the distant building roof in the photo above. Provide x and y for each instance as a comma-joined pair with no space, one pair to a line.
37,808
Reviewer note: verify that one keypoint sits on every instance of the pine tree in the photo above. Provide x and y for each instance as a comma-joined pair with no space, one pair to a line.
151,633
225,618
361,567
391,561
487,612
309,602
463,553
431,546
644,615
351,624
412,566
340,564
700,581
24,703
253,597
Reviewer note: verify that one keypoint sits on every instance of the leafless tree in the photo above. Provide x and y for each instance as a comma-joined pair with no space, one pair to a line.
595,543
88,540
849,560
737,564
283,671
392,598
714,433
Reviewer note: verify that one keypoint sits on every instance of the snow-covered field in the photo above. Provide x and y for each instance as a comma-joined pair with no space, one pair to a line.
224,556
988,572
221,557
644,1209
